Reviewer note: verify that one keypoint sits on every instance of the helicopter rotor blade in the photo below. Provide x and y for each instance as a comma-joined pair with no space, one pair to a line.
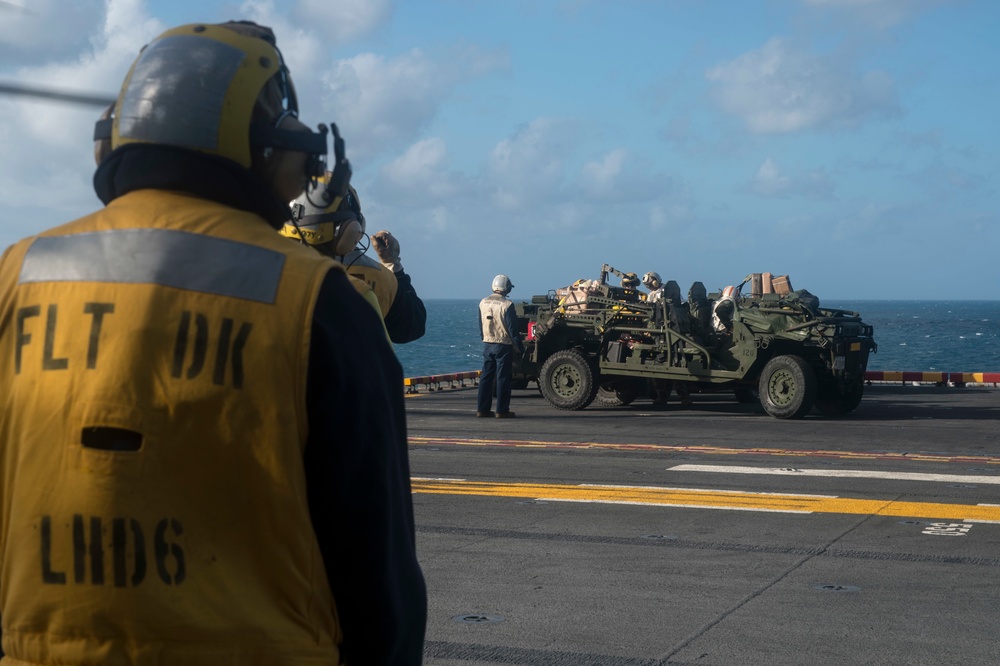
56,95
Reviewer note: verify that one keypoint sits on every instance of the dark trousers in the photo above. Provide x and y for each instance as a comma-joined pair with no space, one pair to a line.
497,367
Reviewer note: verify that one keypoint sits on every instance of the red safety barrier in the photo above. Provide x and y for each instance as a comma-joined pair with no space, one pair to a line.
940,378
435,382
975,377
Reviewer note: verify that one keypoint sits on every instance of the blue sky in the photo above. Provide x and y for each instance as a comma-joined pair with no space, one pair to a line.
850,144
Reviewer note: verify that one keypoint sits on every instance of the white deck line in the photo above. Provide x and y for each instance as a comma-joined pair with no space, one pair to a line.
840,473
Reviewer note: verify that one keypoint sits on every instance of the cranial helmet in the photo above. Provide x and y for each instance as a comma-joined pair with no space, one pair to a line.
326,220
502,284
216,89
630,281
652,280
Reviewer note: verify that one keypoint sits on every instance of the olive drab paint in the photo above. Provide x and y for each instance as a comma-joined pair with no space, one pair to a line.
152,426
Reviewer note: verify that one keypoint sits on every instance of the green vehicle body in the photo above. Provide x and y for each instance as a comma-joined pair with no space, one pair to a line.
785,351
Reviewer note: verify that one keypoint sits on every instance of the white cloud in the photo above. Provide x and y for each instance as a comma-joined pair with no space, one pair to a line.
530,165
384,103
664,217
344,20
779,88
420,173
770,182
36,30
47,146
528,182
601,176
620,176
380,101
303,48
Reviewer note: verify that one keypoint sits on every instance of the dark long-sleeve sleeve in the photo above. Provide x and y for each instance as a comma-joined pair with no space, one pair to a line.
510,323
357,471
479,320
407,318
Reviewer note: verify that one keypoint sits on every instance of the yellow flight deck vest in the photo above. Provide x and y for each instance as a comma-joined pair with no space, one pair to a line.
382,281
368,294
152,423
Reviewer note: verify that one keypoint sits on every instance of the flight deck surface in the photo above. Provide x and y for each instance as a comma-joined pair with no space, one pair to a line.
710,534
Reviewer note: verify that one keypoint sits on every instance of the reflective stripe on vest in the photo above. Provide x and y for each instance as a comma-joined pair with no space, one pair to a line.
157,256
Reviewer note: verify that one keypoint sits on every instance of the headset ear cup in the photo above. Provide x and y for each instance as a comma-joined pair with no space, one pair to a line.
348,235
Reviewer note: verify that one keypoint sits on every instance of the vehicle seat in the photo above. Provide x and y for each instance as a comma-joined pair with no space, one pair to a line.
672,291
701,310
676,310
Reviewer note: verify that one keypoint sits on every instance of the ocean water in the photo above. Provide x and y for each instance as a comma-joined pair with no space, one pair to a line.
921,336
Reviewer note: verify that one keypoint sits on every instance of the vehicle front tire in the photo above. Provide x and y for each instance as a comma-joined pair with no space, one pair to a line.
567,380
787,387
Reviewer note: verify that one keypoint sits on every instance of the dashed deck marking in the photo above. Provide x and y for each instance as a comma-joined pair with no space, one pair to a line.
707,450
708,499
839,473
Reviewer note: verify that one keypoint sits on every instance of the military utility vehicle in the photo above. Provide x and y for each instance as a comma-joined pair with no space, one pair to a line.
594,340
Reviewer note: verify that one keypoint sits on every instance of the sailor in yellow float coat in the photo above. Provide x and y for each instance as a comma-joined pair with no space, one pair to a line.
403,311
188,434
367,293
337,233
334,226
128,350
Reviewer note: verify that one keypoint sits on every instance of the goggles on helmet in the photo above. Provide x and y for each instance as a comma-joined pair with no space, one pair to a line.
196,87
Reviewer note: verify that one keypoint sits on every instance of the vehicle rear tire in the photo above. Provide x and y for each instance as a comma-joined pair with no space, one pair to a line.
567,380
830,402
617,393
787,387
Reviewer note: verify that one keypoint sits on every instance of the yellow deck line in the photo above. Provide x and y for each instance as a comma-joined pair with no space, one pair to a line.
709,499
